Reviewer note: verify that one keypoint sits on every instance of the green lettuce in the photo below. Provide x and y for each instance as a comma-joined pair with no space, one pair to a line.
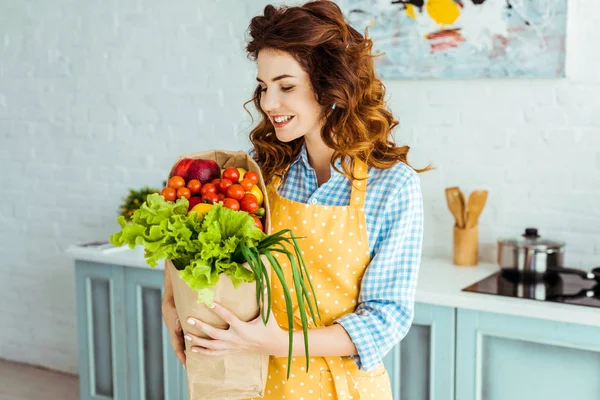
201,247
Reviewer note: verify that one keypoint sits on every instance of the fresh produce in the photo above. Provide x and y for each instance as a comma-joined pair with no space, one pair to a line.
200,169
212,240
236,189
134,200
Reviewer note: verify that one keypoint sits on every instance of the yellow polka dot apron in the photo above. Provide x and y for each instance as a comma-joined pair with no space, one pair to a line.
336,251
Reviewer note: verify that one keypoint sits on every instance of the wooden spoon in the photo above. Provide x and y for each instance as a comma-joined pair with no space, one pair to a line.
477,201
455,205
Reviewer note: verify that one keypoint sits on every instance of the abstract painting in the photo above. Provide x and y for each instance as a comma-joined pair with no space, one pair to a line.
463,39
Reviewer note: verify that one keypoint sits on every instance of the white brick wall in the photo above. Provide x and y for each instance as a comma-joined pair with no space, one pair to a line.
100,96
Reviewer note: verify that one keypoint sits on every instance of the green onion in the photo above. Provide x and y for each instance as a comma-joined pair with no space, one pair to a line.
275,243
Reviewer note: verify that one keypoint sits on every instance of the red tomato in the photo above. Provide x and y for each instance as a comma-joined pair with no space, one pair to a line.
210,196
216,182
194,185
233,174
249,203
231,203
209,187
183,192
247,184
236,192
224,185
193,201
169,194
176,182
221,196
257,223
253,176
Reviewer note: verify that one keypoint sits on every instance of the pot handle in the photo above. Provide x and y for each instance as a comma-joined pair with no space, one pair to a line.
563,270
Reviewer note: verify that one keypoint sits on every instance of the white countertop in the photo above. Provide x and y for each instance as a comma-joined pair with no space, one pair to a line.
439,283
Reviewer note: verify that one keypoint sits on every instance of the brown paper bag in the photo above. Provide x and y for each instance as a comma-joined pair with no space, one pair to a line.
239,375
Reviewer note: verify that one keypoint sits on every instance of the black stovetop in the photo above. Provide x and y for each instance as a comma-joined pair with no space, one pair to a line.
566,289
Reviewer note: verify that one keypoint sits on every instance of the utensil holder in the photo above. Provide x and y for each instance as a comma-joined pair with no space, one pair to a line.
466,246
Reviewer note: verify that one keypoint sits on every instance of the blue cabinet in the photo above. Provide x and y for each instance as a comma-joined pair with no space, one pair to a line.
508,357
124,348
125,352
422,365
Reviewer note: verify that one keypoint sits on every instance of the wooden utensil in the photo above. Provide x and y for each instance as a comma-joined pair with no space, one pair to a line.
457,208
477,201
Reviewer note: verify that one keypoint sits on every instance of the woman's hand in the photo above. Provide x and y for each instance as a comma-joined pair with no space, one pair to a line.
240,335
173,325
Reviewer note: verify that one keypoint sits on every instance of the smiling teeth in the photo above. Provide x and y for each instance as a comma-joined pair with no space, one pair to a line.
282,119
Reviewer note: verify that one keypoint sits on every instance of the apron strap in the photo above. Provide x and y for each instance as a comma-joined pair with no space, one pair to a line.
359,186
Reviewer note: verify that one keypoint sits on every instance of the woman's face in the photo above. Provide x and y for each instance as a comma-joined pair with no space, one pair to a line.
287,96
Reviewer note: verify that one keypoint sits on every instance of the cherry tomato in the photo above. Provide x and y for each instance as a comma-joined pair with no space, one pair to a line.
194,185
221,196
231,203
183,192
257,223
236,192
216,182
176,182
210,196
224,185
233,174
249,203
193,201
209,187
253,176
247,184
169,194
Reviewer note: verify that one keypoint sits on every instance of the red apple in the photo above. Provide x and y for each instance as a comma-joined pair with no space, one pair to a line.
180,169
203,170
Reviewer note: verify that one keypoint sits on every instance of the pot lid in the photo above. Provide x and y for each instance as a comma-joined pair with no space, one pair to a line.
532,240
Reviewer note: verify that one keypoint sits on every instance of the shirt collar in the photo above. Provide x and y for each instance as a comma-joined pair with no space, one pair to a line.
302,156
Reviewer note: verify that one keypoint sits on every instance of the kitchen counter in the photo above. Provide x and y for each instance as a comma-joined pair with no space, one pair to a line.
440,283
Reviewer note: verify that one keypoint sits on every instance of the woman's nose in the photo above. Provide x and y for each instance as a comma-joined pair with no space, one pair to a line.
270,101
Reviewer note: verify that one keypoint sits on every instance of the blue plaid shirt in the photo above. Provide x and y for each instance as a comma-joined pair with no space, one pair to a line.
394,213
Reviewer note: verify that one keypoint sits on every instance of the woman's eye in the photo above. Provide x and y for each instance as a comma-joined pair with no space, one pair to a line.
262,89
287,89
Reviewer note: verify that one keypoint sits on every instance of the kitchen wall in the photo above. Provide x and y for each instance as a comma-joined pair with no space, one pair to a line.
100,96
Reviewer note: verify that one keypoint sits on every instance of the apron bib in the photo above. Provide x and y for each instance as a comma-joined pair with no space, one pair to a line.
336,251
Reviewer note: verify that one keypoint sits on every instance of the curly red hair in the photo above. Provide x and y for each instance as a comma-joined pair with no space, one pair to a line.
339,62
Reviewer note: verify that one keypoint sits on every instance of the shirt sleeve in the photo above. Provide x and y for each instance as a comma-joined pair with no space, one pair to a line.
386,301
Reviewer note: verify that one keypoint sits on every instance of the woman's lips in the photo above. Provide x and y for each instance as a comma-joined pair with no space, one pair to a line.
281,124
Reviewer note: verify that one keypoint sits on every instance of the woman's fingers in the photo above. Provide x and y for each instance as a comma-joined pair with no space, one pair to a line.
215,333
208,352
209,344
225,314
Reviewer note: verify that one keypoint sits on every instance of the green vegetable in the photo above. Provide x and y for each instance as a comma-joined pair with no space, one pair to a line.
219,242
134,200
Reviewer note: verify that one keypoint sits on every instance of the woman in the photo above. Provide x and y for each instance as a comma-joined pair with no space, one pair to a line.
335,178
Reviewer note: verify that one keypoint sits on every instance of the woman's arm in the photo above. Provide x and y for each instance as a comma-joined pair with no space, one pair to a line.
171,319
322,342
386,302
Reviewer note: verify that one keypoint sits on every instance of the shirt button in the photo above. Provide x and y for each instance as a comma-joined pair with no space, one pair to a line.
314,201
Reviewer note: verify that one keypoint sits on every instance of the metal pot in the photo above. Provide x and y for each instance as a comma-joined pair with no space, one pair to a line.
530,255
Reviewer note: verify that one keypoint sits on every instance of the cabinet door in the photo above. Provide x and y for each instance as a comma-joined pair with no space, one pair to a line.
155,372
508,357
422,365
101,331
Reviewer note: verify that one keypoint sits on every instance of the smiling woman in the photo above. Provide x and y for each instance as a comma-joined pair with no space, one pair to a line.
316,77
323,139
